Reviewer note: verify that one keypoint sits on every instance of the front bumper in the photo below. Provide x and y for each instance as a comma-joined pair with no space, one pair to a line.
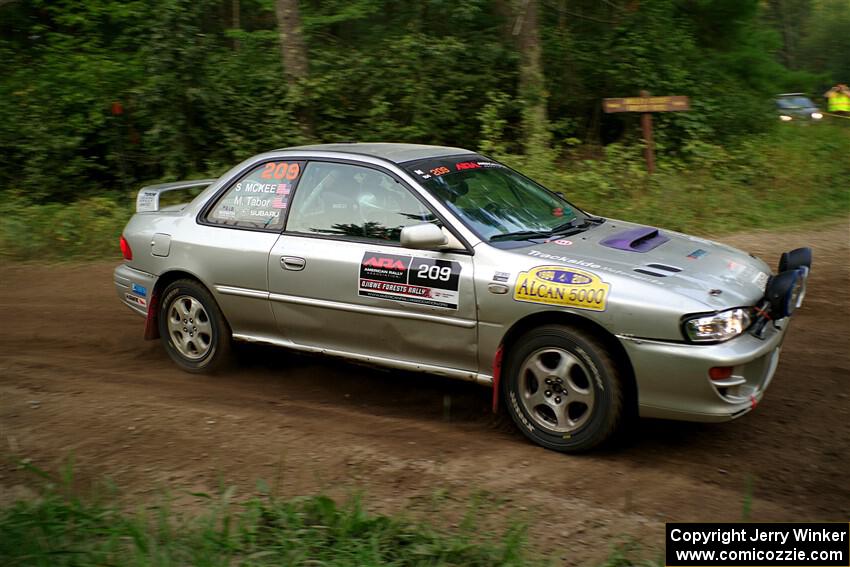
673,382
134,288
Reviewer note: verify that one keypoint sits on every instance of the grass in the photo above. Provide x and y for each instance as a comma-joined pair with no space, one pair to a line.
791,176
57,527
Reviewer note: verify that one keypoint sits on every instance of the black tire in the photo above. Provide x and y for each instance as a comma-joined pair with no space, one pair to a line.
209,347
590,406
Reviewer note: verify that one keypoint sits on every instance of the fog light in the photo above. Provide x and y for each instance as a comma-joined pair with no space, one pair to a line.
817,115
784,292
785,118
720,372
797,258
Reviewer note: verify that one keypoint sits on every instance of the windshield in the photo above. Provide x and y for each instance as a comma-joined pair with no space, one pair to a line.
493,200
794,102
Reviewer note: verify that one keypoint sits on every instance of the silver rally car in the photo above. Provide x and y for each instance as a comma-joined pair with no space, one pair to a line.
441,260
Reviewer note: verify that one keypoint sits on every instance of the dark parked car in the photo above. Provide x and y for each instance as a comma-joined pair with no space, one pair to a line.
797,106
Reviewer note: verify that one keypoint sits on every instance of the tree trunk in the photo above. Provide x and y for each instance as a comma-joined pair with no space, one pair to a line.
293,54
235,12
532,88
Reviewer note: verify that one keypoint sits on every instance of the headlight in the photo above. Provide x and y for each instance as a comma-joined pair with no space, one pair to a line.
718,326
816,115
785,118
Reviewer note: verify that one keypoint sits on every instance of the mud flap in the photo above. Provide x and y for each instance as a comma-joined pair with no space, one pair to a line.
497,373
152,319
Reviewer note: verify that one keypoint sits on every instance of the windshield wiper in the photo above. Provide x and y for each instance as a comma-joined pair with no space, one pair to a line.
569,228
565,226
565,229
521,235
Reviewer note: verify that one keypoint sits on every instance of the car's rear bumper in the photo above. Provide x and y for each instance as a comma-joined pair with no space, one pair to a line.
134,287
673,380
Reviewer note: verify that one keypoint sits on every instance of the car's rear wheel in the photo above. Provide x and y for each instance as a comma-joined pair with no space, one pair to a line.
193,330
563,389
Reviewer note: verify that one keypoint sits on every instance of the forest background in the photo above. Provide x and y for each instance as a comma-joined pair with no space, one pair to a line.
100,97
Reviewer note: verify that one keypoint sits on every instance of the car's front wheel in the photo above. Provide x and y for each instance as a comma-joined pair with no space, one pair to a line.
193,330
563,389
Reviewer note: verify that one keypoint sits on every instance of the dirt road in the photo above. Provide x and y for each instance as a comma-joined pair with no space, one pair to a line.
77,379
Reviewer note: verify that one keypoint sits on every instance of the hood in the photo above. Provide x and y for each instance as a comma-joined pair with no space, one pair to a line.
711,273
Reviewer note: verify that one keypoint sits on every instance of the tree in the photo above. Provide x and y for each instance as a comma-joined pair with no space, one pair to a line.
532,84
826,47
293,53
789,18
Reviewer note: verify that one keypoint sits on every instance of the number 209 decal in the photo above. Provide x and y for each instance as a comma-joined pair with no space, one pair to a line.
424,281
558,285
282,170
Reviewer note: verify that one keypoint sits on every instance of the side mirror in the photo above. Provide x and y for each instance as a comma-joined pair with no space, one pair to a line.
423,236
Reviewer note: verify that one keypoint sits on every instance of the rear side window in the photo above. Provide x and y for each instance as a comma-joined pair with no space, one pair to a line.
260,198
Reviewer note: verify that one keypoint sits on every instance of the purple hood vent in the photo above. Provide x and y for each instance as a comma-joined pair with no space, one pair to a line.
641,239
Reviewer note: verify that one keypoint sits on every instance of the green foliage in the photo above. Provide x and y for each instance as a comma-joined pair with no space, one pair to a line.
418,80
60,529
794,174
103,95
87,228
788,176
826,45
56,134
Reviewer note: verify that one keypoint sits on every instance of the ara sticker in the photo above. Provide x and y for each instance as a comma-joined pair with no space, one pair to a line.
139,290
567,287
696,254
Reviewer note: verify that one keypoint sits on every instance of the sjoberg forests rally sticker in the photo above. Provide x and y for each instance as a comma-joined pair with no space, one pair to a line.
558,285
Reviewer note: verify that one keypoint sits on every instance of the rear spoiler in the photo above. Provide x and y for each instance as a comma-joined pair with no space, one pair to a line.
147,201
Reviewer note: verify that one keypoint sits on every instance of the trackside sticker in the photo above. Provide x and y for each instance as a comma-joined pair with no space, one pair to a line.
424,281
559,285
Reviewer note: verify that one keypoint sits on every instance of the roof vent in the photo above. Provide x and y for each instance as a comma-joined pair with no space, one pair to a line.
641,239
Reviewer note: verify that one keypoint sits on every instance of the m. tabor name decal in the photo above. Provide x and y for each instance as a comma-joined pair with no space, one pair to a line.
559,285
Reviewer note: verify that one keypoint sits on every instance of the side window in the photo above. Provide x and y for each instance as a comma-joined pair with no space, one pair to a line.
351,201
260,198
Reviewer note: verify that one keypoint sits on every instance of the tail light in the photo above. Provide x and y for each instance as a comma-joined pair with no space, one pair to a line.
126,251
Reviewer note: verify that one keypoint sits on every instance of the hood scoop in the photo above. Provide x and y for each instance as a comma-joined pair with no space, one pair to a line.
641,239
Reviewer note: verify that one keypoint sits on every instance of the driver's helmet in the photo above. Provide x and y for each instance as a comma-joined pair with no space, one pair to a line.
370,188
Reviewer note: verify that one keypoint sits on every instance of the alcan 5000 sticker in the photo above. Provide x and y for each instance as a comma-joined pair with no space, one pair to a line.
424,281
559,285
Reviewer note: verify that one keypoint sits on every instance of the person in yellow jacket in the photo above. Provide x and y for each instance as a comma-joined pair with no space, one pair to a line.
838,99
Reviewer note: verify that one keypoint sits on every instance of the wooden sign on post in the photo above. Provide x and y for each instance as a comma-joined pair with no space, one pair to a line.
646,105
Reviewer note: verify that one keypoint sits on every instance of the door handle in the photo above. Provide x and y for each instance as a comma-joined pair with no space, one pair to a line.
292,263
